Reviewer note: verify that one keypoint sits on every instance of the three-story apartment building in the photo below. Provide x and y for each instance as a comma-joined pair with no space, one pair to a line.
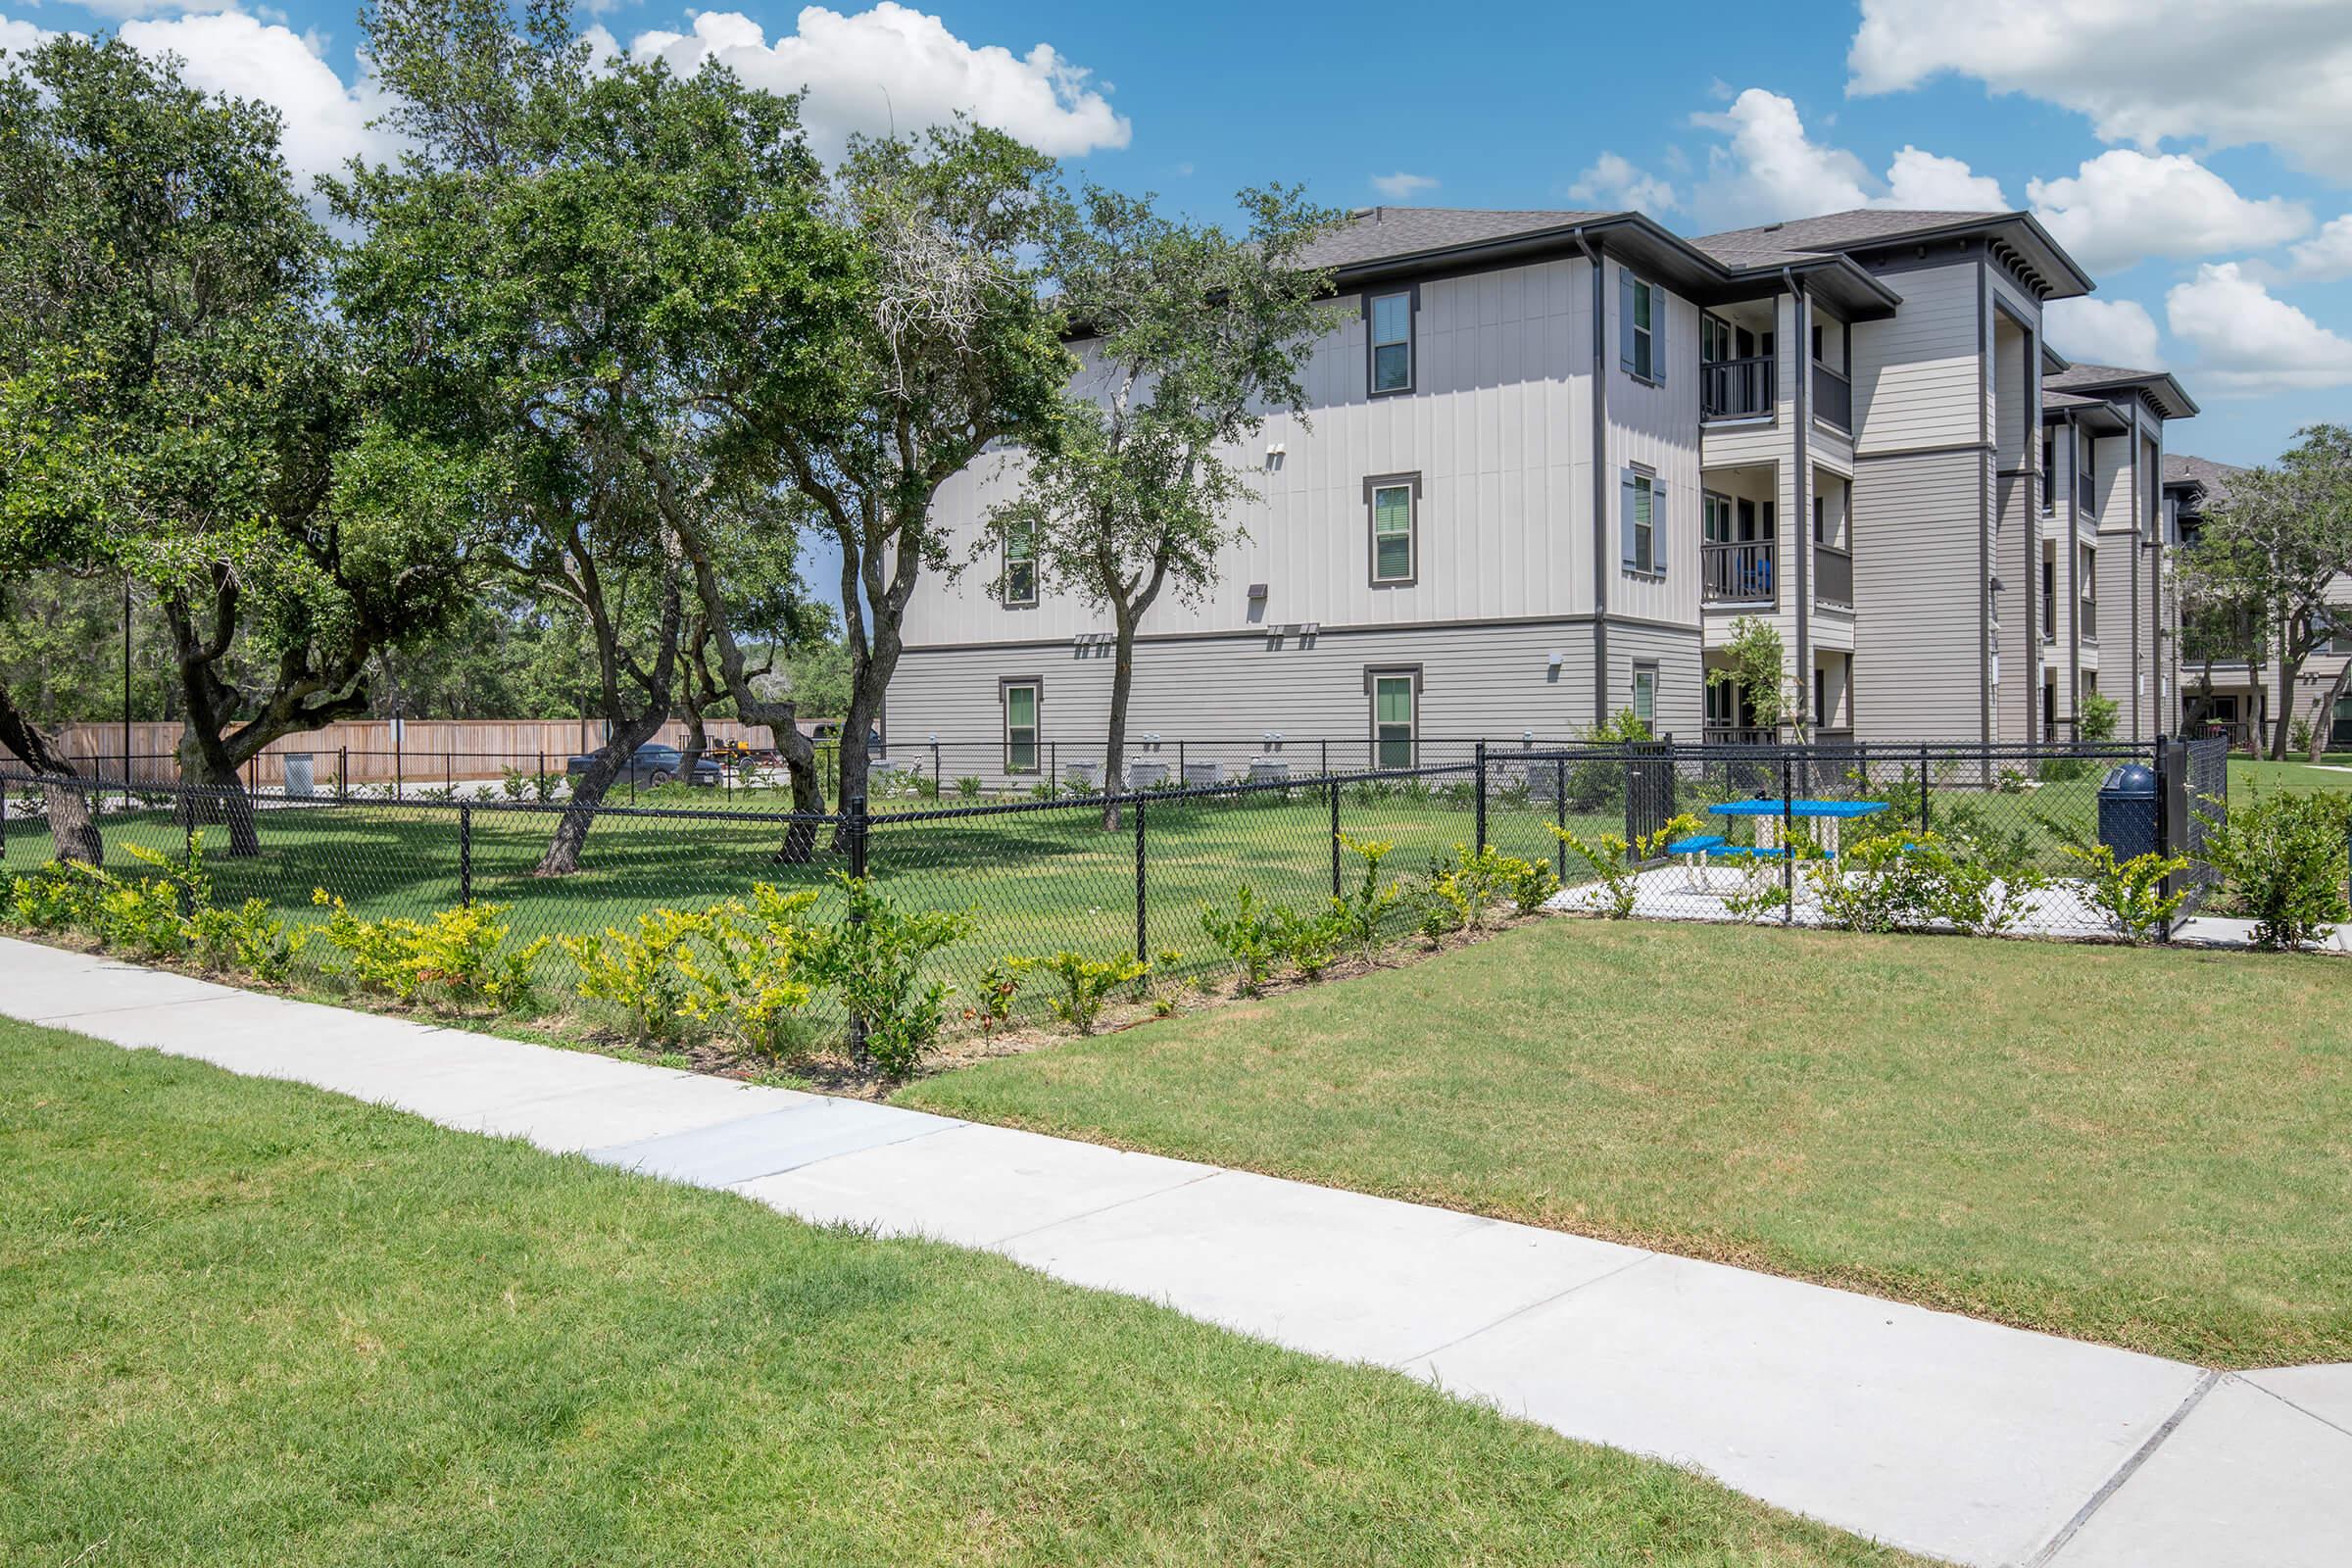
1550,460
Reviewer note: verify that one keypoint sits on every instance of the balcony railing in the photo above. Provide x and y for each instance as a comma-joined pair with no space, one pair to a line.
1737,389
1743,572
2090,620
1832,577
1740,735
1833,398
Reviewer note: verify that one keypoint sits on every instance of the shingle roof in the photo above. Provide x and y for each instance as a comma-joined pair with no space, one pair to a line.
2065,400
2206,475
1777,244
2097,376
1382,233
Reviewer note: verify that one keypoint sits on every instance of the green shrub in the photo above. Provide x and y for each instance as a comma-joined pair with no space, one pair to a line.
1367,907
1250,936
2130,894
873,960
741,973
247,939
1880,882
460,953
56,896
1085,984
638,971
2283,859
1311,942
1618,865
969,787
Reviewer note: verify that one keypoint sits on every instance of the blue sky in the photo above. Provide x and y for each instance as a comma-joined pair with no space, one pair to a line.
2194,155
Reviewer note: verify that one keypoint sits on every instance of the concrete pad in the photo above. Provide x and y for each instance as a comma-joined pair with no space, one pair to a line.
1332,1273
780,1141
595,1118
2323,1390
1959,1439
974,1185
2243,1479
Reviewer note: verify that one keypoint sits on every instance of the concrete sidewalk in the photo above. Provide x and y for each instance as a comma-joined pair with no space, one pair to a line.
1957,1438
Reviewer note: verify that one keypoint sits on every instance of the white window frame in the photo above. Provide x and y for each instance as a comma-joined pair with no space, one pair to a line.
1634,339
1374,678
1013,599
1645,680
1636,483
1374,488
1036,723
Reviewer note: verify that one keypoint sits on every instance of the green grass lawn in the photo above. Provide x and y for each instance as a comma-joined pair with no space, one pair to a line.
2246,774
245,1322
2148,1148
1038,880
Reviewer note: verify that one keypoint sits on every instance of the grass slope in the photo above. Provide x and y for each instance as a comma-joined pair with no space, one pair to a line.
2152,1149
247,1323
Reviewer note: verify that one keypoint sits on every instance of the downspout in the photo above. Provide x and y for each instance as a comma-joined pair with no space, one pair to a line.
2029,584
1600,479
2074,569
1985,455
1801,316
2139,681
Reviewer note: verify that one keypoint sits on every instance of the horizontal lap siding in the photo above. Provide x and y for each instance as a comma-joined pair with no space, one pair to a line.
1496,427
1917,564
1916,376
1226,692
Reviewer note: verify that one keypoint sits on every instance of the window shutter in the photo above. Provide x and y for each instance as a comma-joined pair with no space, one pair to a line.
1657,334
1625,318
1628,500
1658,527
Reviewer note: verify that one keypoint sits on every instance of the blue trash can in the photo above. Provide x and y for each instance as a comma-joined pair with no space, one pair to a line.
2128,811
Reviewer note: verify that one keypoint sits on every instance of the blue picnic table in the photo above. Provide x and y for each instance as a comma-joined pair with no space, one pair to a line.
1828,812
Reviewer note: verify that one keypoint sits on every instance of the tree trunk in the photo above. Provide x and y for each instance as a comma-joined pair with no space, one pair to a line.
588,791
1115,746
72,827
2323,716
219,794
2288,670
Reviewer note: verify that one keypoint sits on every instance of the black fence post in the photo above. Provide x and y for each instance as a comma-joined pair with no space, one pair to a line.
1787,843
1143,946
1923,787
938,784
465,857
1480,816
1559,816
342,771
1331,788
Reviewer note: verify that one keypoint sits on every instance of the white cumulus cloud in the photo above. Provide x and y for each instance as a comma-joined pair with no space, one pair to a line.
2249,343
17,36
1769,168
2327,255
1401,186
1615,184
2124,206
2098,331
229,52
2228,73
894,68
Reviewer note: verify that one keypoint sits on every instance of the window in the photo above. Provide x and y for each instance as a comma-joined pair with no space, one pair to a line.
1021,700
1821,518
1715,341
1394,695
1020,564
2049,470
1645,694
1643,516
1821,688
1391,317
1642,328
1393,500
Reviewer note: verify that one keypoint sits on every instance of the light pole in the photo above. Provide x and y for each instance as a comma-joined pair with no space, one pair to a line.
127,685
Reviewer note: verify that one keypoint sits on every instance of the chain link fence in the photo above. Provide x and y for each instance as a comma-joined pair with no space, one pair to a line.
1707,832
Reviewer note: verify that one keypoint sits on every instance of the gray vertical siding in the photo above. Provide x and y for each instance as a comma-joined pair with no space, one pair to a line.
1917,558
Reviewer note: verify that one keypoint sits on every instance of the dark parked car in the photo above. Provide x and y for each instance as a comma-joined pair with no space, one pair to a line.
656,764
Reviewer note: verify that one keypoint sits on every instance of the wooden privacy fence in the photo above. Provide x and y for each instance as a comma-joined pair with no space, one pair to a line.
427,752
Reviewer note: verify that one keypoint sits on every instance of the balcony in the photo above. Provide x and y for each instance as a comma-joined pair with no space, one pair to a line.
1736,573
1738,389
1832,577
1833,398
